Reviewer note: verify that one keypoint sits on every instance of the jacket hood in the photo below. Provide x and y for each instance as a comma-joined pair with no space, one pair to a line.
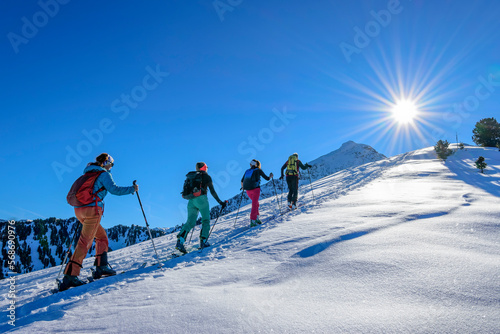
91,168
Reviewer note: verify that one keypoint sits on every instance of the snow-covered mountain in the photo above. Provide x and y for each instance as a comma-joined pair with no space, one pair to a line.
349,155
42,243
407,244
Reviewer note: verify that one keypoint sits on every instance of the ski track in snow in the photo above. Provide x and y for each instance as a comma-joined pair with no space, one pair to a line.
402,245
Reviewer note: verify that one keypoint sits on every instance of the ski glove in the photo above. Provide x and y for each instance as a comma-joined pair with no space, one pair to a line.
223,204
308,166
281,177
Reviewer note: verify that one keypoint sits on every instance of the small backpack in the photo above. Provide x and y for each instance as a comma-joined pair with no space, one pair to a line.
82,190
248,182
291,168
192,185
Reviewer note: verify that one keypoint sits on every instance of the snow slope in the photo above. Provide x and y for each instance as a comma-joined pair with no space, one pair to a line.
349,155
402,245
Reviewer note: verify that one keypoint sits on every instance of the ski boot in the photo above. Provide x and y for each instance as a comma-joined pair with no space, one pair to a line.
180,245
104,269
69,281
253,223
204,243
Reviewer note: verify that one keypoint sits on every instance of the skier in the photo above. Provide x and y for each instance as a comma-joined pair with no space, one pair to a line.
251,183
292,178
90,217
199,204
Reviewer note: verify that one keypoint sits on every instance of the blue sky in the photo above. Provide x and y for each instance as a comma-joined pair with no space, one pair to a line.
161,85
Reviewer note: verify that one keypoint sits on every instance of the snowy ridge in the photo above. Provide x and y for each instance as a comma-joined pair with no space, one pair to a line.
406,244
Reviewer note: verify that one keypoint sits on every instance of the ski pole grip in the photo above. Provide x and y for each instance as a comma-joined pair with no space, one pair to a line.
135,181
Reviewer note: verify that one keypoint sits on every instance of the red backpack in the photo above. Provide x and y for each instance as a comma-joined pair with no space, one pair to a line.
81,192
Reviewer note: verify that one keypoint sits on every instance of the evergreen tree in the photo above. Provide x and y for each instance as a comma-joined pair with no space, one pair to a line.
487,132
442,149
480,164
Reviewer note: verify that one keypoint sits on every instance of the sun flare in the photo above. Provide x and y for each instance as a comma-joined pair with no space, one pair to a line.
404,111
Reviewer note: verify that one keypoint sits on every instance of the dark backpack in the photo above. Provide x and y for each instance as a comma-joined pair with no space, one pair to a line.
192,185
249,182
82,190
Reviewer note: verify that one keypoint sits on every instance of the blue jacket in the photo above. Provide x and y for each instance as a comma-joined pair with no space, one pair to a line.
106,180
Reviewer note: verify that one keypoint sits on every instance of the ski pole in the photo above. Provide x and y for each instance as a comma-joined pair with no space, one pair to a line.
192,232
310,182
277,199
216,219
77,231
239,204
147,225
282,190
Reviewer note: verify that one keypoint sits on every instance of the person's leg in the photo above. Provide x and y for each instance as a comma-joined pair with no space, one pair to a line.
191,219
101,245
257,197
296,191
289,182
90,222
254,195
203,206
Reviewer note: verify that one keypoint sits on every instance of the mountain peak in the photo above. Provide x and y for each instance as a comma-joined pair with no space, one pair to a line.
349,155
349,145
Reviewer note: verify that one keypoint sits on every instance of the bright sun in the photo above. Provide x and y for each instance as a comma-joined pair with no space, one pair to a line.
404,111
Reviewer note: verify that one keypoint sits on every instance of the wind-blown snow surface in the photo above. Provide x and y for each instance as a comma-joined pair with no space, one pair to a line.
403,245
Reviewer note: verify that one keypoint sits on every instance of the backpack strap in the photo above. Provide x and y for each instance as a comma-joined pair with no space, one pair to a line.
201,182
97,198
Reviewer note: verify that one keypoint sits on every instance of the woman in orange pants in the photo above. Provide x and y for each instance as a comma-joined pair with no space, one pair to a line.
90,217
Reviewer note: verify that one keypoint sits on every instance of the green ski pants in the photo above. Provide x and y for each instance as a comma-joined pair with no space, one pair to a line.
197,205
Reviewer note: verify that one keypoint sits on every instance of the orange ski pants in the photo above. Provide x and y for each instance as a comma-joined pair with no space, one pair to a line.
90,218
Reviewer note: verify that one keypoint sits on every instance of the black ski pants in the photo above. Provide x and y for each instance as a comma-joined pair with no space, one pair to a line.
293,188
